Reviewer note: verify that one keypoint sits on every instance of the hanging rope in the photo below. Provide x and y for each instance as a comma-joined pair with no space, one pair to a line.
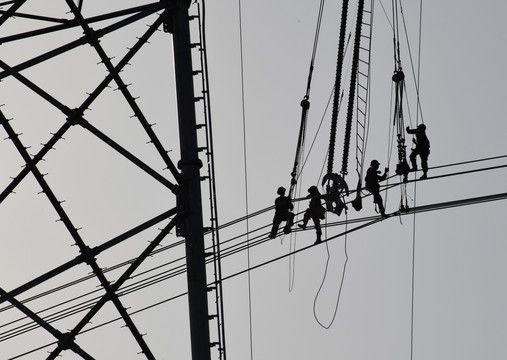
324,279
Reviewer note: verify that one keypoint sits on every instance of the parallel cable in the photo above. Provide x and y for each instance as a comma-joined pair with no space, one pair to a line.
178,243
371,220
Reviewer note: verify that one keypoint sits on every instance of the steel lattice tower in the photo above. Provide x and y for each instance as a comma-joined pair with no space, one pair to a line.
92,101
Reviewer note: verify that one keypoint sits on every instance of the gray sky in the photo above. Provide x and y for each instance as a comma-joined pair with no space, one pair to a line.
458,260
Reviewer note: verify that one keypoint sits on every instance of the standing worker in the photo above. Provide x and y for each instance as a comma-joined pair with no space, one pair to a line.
283,207
372,180
422,148
315,211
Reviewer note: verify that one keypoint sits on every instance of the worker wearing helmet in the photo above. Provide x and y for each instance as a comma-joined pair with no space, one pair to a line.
315,211
283,207
422,148
372,180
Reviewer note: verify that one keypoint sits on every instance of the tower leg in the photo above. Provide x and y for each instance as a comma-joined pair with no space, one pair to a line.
190,194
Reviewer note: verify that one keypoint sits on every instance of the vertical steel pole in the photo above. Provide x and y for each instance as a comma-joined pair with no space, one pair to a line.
189,197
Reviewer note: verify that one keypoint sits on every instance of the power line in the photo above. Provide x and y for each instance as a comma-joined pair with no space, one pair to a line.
265,226
368,222
235,248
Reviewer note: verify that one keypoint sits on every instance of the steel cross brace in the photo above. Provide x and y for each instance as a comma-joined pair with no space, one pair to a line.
85,250
93,39
124,277
68,24
7,296
76,43
72,114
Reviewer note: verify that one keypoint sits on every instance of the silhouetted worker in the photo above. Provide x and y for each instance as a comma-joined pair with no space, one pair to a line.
372,184
283,207
422,148
315,211
335,188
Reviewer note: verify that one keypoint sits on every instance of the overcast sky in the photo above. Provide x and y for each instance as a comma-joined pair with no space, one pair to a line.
414,287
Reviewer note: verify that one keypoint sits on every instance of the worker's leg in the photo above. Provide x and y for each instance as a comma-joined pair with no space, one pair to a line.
424,163
274,228
316,222
377,199
290,222
413,161
306,218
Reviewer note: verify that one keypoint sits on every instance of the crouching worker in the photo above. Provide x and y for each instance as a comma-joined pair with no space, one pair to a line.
372,180
315,211
283,207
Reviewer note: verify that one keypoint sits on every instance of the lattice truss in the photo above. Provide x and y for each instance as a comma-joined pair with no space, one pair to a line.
87,181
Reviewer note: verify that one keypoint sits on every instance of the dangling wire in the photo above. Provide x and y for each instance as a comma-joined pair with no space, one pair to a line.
325,276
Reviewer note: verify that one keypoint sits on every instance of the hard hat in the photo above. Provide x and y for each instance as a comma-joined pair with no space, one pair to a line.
374,162
281,190
422,126
313,189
